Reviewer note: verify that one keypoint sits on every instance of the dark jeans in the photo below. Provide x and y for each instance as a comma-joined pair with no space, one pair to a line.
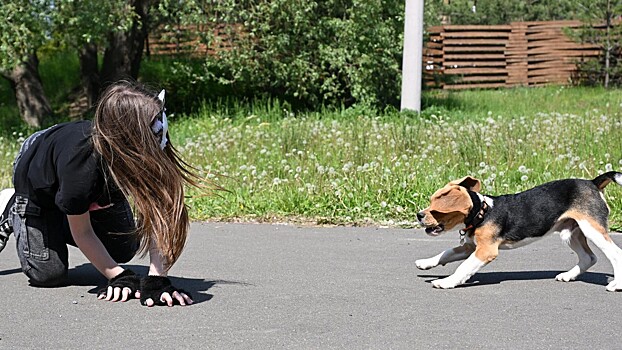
42,237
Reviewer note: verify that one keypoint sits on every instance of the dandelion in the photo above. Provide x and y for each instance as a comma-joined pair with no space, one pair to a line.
524,178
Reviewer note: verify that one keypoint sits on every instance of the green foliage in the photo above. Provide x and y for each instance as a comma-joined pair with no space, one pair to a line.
492,12
22,30
188,88
77,22
602,28
312,52
31,24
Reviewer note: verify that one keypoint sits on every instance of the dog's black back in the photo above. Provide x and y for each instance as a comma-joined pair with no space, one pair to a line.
533,213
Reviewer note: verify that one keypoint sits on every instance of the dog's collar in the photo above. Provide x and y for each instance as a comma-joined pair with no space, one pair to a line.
476,215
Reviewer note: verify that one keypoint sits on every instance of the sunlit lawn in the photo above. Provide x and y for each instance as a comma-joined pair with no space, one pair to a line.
361,167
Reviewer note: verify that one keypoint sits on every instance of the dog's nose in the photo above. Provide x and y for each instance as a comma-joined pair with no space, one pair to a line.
420,215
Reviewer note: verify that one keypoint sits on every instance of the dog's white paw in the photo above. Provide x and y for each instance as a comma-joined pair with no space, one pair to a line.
566,276
445,283
425,264
614,286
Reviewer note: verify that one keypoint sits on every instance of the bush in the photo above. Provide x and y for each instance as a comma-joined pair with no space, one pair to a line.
311,53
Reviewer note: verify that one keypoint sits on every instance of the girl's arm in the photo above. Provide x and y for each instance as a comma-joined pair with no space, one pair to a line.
91,246
160,283
96,253
156,262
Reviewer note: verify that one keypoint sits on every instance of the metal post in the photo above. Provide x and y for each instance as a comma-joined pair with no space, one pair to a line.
412,59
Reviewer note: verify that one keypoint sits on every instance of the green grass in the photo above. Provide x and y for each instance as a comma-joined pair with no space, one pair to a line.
358,166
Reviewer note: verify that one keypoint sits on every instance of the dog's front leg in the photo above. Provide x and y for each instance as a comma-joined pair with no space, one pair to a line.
449,255
484,254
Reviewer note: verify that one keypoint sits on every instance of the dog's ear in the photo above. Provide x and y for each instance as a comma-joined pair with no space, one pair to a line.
450,199
470,183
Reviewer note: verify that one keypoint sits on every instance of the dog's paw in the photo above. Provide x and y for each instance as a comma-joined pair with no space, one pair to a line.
566,276
426,264
445,283
614,286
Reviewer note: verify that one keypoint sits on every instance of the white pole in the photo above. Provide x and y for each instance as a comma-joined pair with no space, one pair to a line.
412,59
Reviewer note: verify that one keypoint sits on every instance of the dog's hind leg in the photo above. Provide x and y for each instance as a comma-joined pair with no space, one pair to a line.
449,255
600,237
575,239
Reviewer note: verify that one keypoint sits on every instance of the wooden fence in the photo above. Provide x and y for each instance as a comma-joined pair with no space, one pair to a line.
186,41
521,53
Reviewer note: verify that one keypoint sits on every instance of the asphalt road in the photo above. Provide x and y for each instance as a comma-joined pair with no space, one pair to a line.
290,287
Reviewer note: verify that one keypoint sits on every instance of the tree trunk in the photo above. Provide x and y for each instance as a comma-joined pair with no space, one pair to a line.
124,53
89,73
32,103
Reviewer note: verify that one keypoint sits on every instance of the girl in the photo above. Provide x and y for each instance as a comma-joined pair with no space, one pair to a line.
71,183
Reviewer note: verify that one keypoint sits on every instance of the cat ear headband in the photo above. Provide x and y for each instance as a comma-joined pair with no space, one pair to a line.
160,125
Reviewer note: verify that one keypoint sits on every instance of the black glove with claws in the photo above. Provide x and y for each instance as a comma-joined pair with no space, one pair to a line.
152,287
126,279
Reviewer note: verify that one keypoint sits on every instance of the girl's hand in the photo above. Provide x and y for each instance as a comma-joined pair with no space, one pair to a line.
158,290
122,287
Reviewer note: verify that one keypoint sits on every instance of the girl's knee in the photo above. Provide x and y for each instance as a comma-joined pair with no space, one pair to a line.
47,277
123,257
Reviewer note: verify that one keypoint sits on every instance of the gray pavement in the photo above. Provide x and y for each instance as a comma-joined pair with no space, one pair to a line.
289,287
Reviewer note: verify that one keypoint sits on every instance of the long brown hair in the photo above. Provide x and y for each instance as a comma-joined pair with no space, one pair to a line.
152,177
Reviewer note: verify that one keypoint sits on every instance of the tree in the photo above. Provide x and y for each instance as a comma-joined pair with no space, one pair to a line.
492,12
119,27
311,52
21,34
602,28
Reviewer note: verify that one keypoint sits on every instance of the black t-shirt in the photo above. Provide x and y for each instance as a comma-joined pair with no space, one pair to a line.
61,170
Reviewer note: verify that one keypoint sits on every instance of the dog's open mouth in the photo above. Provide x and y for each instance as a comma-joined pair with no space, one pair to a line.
434,231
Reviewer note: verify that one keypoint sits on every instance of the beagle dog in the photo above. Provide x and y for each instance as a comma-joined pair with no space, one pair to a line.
574,208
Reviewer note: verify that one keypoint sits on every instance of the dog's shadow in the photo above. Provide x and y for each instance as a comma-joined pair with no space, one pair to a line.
87,275
487,278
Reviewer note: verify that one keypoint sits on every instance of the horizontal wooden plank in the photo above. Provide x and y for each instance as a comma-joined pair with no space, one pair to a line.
475,48
453,71
463,64
493,42
545,35
435,29
561,80
479,34
432,52
562,46
562,52
474,57
552,24
434,45
550,71
456,27
551,64
480,78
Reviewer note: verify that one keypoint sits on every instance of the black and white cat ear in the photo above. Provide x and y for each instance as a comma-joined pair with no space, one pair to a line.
161,96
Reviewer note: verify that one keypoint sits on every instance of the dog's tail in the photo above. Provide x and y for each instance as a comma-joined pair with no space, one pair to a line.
604,179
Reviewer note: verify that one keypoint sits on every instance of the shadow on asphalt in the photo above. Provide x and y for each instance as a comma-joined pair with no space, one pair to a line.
87,275
486,278
10,272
